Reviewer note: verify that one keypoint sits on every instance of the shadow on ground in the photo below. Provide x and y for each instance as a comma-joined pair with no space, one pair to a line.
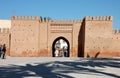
60,69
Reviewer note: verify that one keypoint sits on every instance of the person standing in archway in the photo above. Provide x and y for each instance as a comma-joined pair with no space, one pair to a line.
56,52
4,51
65,51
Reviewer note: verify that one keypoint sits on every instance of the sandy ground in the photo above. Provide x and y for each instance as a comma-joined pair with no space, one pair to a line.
61,67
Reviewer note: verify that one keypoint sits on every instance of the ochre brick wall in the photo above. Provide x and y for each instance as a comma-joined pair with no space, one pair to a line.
89,37
99,40
5,39
24,36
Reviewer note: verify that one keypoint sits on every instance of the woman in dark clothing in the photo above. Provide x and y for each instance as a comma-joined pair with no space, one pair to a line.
3,51
0,50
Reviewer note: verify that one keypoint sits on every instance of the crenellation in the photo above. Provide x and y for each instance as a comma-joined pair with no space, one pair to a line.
74,21
26,18
4,30
110,18
38,18
1,30
98,18
71,21
12,17
18,17
22,18
91,18
106,18
47,20
77,21
50,20
55,20
94,18
117,31
44,19
32,18
66,20
86,18
60,21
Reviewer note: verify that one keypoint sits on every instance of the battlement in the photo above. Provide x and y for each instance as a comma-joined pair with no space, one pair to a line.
25,18
41,19
98,18
30,18
116,31
87,18
4,30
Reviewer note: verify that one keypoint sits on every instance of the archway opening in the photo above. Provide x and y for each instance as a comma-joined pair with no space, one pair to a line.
60,47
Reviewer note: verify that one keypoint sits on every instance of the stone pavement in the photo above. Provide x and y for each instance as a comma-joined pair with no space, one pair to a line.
61,67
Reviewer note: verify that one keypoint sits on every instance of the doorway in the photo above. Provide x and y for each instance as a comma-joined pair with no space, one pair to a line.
60,47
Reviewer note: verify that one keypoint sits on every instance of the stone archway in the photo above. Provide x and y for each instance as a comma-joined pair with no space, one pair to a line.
61,47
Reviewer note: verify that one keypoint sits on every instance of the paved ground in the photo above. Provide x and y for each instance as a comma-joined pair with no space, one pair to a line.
48,67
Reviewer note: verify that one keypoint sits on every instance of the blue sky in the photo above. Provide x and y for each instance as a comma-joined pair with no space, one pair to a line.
61,9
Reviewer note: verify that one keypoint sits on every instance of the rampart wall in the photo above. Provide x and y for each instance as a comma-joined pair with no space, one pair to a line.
99,37
24,36
34,36
5,38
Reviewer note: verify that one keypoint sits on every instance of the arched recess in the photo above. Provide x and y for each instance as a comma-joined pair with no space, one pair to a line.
61,47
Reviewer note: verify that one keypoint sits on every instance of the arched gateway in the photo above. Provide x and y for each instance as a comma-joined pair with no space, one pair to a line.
60,47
